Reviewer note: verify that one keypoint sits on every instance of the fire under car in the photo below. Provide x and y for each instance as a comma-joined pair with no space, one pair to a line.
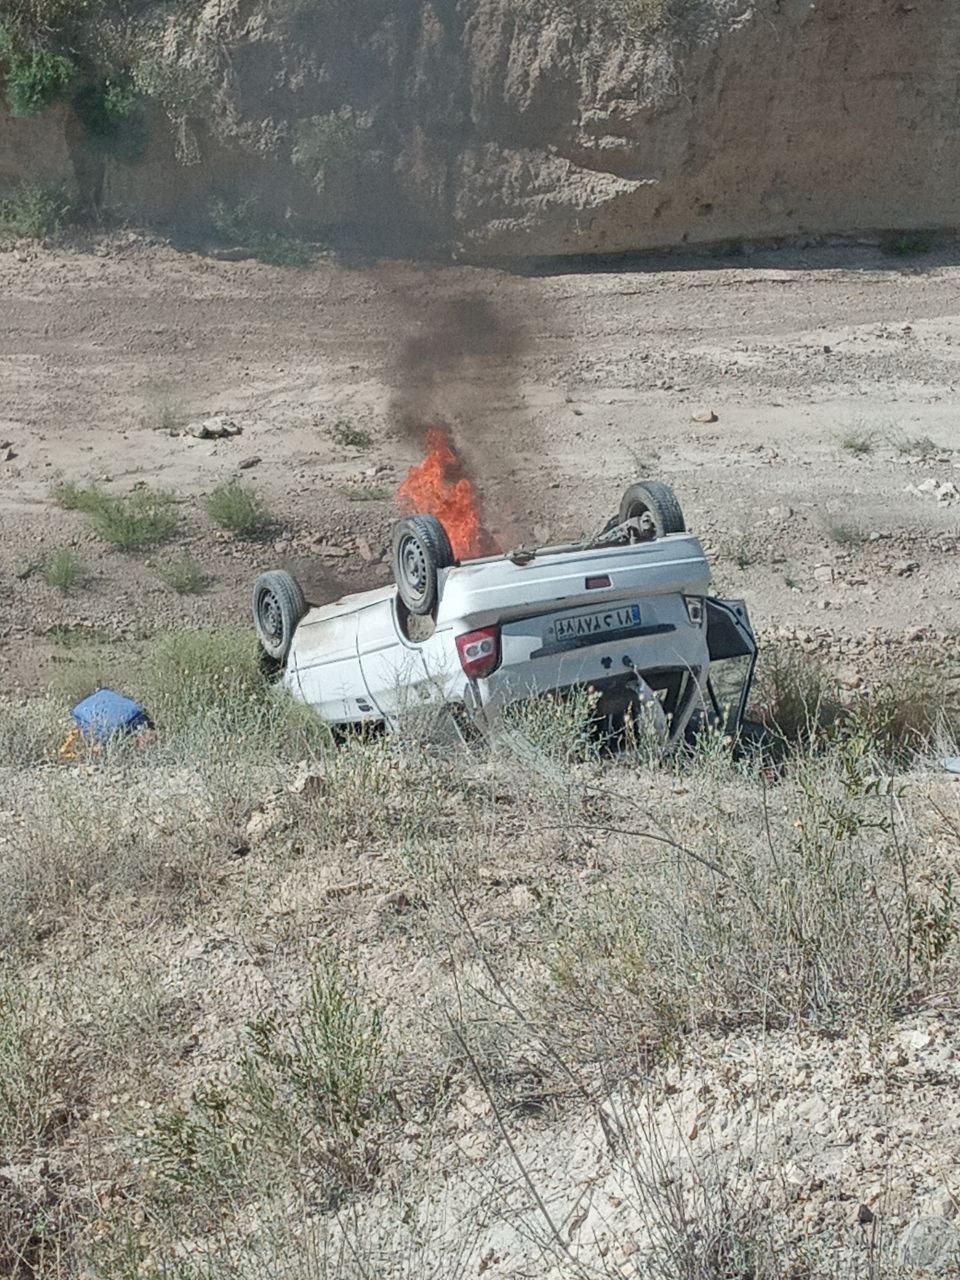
625,614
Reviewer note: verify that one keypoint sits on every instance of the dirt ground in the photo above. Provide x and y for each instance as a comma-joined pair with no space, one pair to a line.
827,489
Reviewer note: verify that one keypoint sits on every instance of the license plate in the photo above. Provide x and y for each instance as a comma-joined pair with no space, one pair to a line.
596,624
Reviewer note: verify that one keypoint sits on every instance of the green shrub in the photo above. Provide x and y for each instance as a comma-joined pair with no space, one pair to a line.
62,569
904,244
35,79
237,224
795,698
188,672
33,212
236,508
859,443
110,112
846,535
365,493
184,576
900,719
325,144
304,1093
142,518
351,437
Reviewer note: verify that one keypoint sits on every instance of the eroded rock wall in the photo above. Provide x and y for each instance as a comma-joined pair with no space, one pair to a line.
514,127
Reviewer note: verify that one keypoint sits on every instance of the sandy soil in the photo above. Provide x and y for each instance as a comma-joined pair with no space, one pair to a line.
562,388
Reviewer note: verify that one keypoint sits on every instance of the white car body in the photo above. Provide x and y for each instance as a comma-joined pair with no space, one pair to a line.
619,619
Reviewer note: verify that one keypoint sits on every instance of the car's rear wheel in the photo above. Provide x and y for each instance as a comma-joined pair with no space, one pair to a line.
655,506
278,606
421,549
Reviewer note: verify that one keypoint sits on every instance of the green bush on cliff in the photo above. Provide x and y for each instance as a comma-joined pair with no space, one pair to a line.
35,78
112,115
32,212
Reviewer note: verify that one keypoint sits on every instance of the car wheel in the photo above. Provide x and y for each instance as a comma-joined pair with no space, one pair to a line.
655,505
421,549
278,606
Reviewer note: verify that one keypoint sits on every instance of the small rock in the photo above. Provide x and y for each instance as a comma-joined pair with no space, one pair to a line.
865,1215
213,428
395,901
331,552
823,573
247,463
363,547
850,679
523,898
930,1242
307,784
904,568
7,454
705,415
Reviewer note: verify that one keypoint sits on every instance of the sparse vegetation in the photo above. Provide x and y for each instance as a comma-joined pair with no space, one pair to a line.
132,522
349,435
62,569
859,442
325,145
183,575
743,553
796,698
684,901
846,535
239,225
234,507
906,244
366,493
920,447
35,78
33,212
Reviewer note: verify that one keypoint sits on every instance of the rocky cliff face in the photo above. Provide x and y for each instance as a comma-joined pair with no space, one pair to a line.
518,127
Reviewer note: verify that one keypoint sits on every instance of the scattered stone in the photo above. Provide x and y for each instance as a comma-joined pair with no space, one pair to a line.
850,679
7,454
705,415
930,1242
363,547
330,552
247,463
823,573
904,568
945,491
780,513
308,784
395,901
865,1215
213,428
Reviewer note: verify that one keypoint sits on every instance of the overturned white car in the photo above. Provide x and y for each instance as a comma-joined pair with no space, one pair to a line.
625,614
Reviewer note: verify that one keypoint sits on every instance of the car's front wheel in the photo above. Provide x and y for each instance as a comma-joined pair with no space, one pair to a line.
421,549
278,606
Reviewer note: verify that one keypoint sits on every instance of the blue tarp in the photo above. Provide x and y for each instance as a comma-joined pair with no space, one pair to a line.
106,713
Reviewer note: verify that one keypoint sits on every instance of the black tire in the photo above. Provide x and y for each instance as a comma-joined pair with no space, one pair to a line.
657,501
278,606
421,549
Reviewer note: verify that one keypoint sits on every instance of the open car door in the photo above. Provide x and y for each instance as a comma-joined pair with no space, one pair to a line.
733,657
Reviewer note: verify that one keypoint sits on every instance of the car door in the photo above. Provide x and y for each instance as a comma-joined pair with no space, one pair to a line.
393,666
732,647
328,669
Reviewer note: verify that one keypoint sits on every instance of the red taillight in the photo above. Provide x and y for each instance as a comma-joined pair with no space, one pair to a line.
601,580
479,652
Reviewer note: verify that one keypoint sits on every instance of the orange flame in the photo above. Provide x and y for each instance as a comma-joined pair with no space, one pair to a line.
440,487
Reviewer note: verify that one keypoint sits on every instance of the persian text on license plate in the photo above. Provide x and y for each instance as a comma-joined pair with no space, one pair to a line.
597,624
